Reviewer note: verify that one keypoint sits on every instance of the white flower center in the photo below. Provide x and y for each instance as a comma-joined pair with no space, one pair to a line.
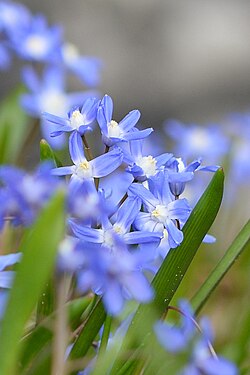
53,102
76,119
160,213
148,165
199,140
70,53
114,129
37,45
84,170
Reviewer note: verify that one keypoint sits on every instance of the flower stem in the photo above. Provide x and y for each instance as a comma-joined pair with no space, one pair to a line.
87,148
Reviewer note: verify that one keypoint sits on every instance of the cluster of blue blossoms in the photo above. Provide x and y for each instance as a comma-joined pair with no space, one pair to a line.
115,231
125,208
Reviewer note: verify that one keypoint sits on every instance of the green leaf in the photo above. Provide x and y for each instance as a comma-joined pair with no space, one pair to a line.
174,267
13,127
46,303
89,332
39,248
241,242
39,339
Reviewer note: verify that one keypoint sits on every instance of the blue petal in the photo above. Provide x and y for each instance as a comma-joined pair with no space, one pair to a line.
128,211
171,338
107,163
9,260
175,235
146,196
136,148
55,119
129,121
138,287
139,237
112,298
216,366
163,159
76,148
86,233
6,278
89,110
137,135
107,104
63,171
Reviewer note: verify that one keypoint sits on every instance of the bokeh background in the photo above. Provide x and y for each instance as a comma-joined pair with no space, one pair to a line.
170,58
188,60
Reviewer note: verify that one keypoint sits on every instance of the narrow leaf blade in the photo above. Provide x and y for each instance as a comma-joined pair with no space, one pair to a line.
39,249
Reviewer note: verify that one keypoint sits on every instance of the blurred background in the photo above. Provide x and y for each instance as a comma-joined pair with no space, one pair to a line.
188,60
181,59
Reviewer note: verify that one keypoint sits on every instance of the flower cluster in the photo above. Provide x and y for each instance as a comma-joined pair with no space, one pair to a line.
112,237
125,206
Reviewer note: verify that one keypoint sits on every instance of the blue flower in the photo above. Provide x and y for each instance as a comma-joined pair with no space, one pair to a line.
114,276
144,167
114,132
83,169
23,201
207,142
38,42
78,119
48,95
179,173
160,209
85,202
116,235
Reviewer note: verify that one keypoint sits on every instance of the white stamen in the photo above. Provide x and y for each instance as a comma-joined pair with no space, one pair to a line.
76,119
84,170
160,213
114,129
148,165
